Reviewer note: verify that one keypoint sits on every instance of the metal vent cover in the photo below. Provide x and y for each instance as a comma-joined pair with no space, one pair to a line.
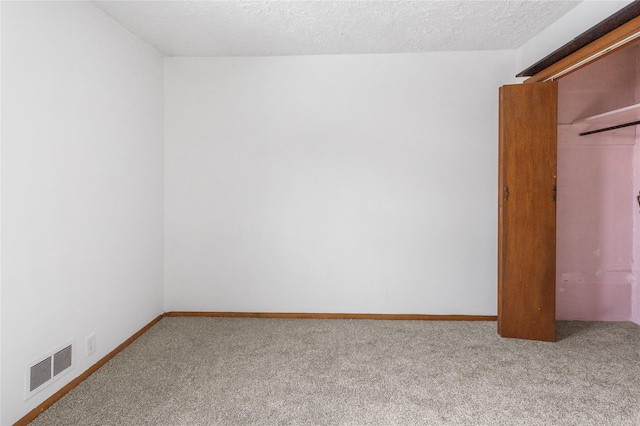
40,374
62,360
46,369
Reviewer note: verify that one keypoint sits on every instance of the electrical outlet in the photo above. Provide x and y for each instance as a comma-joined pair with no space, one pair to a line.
91,345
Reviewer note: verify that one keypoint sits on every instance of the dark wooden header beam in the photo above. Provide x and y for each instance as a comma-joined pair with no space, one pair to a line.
614,21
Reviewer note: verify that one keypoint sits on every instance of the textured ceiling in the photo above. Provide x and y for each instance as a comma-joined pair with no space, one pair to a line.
273,28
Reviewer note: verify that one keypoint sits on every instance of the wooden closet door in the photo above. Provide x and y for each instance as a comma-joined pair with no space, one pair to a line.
527,211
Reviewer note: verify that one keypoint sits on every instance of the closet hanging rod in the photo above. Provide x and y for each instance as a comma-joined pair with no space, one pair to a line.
606,129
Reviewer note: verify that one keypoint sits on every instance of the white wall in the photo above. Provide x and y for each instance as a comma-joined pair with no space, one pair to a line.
333,183
82,161
579,19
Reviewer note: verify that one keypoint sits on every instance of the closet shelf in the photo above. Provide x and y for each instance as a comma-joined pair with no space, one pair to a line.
610,120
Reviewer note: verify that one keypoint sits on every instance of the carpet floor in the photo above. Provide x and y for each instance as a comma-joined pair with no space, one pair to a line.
231,371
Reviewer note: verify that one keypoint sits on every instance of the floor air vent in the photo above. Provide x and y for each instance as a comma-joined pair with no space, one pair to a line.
46,369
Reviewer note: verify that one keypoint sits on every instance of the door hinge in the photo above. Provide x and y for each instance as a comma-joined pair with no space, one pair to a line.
505,193
554,190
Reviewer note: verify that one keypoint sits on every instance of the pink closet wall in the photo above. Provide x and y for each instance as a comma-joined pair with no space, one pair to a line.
596,209
635,308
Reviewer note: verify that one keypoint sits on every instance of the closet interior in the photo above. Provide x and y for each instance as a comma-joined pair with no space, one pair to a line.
598,189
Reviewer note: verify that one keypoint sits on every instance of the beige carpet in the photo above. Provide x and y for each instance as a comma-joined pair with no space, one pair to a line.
221,371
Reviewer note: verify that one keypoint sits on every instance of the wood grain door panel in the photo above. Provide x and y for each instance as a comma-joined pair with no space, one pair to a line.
527,211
